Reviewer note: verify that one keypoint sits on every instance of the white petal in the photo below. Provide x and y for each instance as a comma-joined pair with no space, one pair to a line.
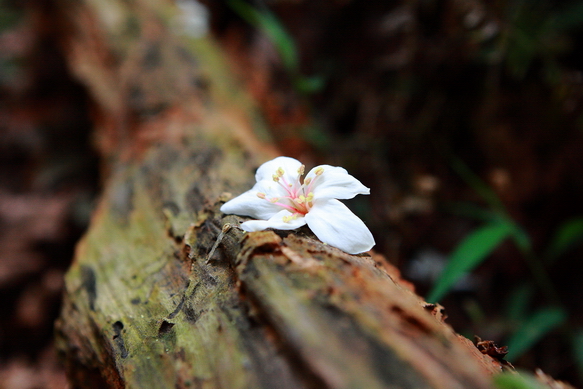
249,204
335,183
270,188
289,165
335,224
276,221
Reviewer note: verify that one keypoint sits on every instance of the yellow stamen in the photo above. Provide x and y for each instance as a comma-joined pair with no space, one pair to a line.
275,177
301,170
307,181
274,200
310,197
261,195
301,199
280,172
319,171
287,219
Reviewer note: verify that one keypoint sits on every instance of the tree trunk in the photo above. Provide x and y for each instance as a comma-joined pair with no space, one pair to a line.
147,307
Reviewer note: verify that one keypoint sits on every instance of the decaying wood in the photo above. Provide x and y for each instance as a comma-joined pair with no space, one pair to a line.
146,307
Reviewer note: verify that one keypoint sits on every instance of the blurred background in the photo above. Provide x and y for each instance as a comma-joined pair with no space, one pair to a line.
463,117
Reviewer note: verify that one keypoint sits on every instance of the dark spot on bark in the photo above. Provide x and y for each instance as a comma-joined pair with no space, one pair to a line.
135,301
410,320
194,198
132,26
283,233
165,328
180,354
206,158
136,95
89,283
203,84
208,280
267,248
142,105
117,327
178,308
186,56
165,160
118,339
191,315
153,57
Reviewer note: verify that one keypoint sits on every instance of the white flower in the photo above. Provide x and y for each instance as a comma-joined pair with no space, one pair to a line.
282,201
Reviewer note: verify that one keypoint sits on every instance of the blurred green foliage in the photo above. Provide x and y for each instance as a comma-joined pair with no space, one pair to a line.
265,21
533,328
470,253
526,328
512,380
567,235
535,31
533,35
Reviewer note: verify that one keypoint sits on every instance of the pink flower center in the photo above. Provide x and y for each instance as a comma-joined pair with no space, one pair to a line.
299,199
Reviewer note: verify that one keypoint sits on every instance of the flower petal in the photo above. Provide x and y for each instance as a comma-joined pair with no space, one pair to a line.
334,183
276,221
289,165
335,224
271,189
248,204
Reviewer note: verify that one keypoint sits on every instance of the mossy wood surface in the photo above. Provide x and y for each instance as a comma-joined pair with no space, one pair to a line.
146,307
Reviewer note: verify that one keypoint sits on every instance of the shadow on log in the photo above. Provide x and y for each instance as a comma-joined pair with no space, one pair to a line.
146,307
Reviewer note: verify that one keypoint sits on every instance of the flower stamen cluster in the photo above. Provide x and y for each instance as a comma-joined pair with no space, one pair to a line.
299,199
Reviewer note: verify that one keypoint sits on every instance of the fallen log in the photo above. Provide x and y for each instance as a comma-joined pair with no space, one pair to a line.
150,304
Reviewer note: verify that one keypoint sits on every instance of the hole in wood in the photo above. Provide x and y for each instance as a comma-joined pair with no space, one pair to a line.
165,328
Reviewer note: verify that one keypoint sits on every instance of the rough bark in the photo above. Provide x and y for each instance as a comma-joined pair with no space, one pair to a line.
146,307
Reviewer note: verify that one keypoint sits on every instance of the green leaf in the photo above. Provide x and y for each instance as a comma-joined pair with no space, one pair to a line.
470,253
271,26
521,238
283,42
511,380
568,234
533,329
